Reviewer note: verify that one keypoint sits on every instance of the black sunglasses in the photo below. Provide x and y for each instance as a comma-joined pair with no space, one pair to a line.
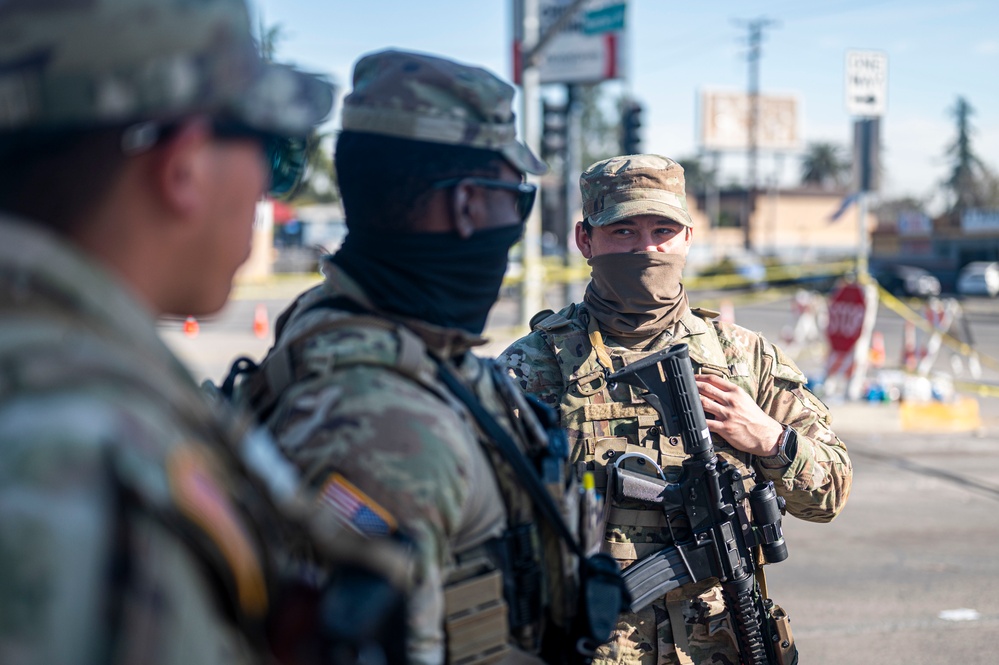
526,192
286,157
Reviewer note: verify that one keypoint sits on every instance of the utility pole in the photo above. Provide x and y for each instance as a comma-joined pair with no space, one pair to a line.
756,28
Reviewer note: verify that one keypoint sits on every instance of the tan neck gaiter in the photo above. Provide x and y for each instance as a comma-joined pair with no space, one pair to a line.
636,295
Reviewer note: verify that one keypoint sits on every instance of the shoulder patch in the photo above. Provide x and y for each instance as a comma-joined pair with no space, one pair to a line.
341,501
199,497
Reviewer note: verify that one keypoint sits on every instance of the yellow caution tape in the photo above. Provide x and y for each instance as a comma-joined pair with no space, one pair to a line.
910,315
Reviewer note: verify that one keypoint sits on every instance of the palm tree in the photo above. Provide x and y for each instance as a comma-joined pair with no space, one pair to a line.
822,165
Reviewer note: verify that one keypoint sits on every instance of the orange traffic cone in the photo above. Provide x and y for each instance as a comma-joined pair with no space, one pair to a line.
191,327
261,324
877,355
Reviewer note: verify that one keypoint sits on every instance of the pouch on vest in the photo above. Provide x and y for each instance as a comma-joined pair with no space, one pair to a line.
784,649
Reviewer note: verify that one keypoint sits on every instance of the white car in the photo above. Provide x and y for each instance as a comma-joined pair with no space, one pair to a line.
980,278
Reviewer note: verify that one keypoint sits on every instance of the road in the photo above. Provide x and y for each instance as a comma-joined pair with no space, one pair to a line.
907,574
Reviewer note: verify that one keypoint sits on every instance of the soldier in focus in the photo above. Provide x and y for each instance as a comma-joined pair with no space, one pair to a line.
372,388
636,233
137,524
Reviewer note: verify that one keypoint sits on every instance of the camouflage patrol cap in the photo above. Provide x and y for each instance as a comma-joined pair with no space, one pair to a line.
622,187
425,98
77,64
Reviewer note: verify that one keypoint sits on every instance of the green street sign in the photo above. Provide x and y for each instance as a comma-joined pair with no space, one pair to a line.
606,19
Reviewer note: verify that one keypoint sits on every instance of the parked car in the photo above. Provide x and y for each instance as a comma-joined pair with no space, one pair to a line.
908,281
979,278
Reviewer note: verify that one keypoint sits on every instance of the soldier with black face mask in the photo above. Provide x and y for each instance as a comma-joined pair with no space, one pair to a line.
371,387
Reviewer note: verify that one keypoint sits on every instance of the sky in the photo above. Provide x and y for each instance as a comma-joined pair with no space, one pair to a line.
937,51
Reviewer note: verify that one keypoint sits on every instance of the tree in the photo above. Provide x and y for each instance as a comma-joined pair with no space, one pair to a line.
270,37
599,133
824,166
698,177
970,181
319,181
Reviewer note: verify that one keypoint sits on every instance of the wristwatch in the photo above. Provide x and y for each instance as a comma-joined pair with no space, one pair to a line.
787,448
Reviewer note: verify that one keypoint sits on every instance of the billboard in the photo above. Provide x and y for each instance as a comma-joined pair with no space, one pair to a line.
725,120
590,48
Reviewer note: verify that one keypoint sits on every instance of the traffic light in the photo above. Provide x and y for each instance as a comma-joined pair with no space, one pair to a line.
554,129
631,122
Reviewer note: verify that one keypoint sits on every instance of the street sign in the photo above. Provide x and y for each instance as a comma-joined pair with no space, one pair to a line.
606,19
846,317
866,83
590,48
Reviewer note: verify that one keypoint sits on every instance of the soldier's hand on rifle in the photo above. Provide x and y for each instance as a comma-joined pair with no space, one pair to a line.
736,417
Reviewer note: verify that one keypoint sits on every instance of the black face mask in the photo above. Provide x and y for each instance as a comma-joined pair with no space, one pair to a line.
439,278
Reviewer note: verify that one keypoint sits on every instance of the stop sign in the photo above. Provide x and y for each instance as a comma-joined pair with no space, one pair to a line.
846,317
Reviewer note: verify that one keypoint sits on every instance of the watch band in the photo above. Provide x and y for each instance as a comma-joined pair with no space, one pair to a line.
786,450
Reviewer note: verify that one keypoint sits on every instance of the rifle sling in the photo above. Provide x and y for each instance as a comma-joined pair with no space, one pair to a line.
506,446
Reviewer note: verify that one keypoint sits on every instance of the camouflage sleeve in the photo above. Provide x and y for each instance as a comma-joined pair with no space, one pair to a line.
817,483
61,522
407,452
533,367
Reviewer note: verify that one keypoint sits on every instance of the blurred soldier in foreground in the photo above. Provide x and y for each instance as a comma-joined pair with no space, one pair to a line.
372,389
636,233
135,138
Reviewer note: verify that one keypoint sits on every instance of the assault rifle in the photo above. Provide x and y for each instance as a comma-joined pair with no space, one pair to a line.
713,535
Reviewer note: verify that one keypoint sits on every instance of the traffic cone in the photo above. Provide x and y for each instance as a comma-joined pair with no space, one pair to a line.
909,359
877,354
191,327
726,313
261,324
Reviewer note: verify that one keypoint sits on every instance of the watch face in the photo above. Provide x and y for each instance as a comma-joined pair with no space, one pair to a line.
786,451
789,446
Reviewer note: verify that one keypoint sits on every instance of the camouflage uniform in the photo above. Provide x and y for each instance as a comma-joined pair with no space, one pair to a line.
131,527
120,507
354,398
558,363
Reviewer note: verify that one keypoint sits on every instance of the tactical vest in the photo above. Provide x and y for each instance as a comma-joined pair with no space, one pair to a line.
604,422
488,603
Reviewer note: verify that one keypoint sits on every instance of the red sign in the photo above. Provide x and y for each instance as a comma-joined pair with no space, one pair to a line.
846,317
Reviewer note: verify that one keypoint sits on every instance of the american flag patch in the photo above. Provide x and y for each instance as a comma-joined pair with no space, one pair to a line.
348,505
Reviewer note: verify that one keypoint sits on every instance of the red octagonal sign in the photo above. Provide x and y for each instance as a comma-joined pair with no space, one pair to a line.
846,317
